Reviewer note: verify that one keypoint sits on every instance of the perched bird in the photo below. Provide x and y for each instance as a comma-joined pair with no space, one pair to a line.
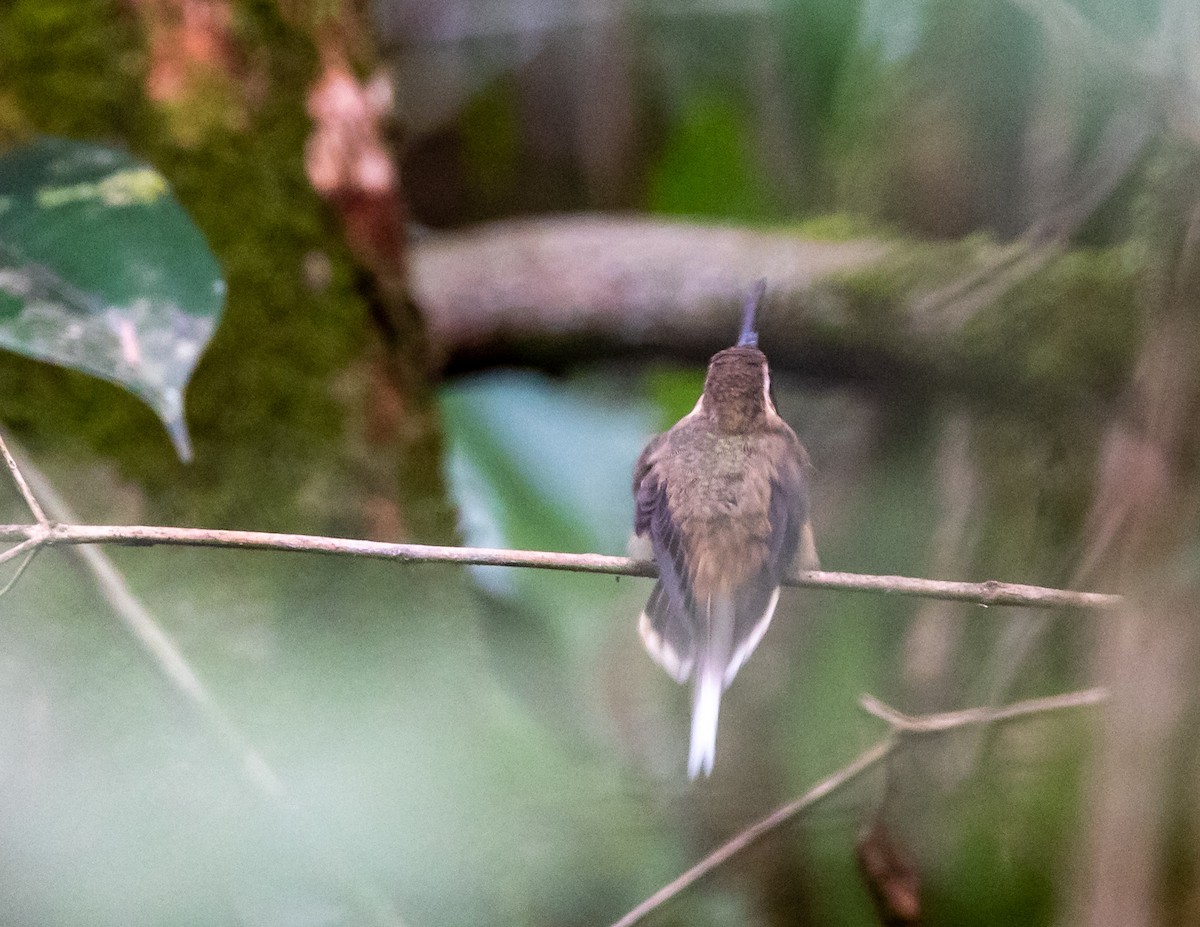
723,500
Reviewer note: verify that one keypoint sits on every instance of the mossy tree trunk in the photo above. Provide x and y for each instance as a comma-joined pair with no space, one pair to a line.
309,415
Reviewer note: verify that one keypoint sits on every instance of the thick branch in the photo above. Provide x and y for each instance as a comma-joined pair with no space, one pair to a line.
553,293
985,593
548,291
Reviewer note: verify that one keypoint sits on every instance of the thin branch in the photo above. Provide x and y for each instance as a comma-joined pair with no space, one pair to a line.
16,577
901,725
863,762
985,593
935,724
951,307
32,543
927,309
18,478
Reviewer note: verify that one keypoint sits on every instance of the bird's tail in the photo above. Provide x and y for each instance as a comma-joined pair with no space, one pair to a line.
710,683
706,706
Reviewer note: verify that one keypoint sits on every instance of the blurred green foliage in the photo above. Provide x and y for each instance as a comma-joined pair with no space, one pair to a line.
492,145
706,169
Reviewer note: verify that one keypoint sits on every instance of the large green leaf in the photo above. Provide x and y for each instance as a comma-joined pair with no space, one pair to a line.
102,271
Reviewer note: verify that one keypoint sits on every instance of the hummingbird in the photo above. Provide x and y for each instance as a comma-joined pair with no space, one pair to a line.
722,498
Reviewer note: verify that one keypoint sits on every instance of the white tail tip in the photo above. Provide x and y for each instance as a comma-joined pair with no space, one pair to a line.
705,708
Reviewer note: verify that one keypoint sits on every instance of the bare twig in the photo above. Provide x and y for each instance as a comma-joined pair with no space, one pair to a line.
985,593
20,571
32,543
143,626
863,762
946,721
901,725
174,665
26,493
989,592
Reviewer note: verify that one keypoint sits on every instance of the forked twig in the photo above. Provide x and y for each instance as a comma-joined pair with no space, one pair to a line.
901,725
948,721
848,773
31,544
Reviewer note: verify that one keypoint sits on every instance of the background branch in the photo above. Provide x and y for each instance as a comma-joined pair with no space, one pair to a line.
550,291
555,293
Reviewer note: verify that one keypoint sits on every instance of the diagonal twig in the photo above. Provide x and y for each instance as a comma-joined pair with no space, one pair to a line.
947,721
848,773
20,571
32,543
901,725
23,487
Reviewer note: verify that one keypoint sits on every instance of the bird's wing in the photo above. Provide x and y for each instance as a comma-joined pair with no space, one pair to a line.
792,545
665,626
754,606
643,500
789,542
667,634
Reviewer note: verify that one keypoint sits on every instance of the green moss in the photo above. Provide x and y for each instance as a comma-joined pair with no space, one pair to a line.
269,403
880,297
1069,331
844,226
72,66
212,107
1072,327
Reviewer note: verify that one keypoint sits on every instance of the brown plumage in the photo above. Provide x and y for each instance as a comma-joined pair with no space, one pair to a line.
723,499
